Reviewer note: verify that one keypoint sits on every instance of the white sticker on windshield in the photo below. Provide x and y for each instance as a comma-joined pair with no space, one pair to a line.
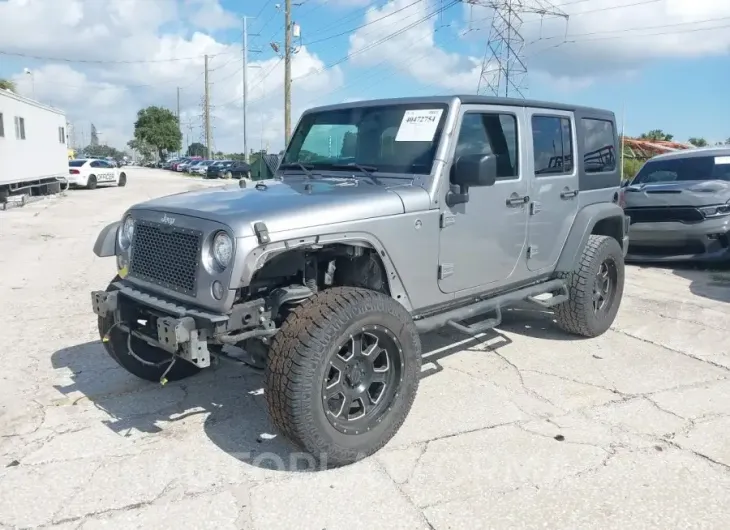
722,160
418,125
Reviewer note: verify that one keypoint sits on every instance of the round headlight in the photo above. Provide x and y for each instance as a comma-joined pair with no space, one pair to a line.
222,249
126,231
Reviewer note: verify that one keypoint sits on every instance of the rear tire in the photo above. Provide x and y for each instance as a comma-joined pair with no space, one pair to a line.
91,182
122,180
316,373
228,175
118,349
595,289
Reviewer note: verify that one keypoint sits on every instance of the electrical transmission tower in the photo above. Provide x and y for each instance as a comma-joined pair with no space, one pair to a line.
504,70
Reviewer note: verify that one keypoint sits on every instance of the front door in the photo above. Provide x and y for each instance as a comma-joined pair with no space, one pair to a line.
554,185
482,241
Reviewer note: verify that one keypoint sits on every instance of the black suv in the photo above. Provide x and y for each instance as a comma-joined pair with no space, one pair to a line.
228,169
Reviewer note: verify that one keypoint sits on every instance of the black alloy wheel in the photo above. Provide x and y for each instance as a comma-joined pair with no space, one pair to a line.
604,287
362,380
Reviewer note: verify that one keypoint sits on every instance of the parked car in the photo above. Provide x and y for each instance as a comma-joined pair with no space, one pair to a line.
229,169
185,163
445,209
90,173
679,205
200,167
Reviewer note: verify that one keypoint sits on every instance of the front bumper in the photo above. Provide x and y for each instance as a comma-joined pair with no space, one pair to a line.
706,241
177,329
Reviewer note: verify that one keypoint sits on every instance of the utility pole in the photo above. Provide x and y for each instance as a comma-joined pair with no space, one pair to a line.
178,115
245,87
287,71
206,111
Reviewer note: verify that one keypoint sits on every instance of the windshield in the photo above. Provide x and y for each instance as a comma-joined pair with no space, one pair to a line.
76,163
684,169
391,138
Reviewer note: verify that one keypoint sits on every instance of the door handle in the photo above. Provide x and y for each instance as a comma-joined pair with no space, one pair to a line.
569,194
517,200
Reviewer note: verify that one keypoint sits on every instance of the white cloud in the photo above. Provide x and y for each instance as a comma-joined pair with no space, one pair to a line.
109,94
405,36
210,15
603,37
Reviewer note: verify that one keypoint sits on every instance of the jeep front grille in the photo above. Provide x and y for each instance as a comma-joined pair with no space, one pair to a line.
664,214
166,256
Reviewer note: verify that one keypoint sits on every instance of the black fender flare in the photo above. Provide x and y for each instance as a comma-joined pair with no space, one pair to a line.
106,241
585,222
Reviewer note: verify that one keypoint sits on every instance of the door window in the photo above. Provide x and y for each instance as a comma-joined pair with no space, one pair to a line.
552,144
491,134
95,163
600,153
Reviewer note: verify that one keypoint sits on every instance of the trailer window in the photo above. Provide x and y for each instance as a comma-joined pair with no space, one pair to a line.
61,135
2,126
20,128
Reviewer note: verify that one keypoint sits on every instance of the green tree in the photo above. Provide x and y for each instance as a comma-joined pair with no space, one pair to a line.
7,84
698,142
631,167
102,151
197,149
141,147
656,135
158,127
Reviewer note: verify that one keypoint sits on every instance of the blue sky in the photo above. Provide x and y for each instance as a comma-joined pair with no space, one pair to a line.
660,60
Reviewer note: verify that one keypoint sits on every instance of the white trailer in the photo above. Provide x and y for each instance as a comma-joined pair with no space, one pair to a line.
33,150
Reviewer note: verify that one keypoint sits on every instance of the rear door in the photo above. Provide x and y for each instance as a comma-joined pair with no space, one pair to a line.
553,179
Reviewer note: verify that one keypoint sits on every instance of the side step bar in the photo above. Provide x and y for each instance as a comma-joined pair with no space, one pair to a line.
452,317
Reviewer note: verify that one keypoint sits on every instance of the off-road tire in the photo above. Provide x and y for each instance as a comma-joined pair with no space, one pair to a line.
122,180
297,367
91,182
576,315
117,349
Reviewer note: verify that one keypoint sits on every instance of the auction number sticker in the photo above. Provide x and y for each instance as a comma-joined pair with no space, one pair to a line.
418,125
722,160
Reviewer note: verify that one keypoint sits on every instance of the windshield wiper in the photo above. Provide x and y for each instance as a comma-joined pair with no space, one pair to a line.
306,168
365,170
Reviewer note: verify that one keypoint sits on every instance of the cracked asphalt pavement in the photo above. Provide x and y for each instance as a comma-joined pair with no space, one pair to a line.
524,428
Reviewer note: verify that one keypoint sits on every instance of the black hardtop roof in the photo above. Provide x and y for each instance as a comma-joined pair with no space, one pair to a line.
468,99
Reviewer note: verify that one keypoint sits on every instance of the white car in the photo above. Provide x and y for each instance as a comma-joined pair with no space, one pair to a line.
200,168
90,172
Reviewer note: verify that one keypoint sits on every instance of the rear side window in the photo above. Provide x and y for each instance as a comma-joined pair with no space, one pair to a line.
552,145
600,152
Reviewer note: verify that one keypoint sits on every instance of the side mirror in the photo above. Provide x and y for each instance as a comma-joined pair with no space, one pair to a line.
468,171
625,183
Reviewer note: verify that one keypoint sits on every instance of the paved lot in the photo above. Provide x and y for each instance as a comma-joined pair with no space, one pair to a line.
525,428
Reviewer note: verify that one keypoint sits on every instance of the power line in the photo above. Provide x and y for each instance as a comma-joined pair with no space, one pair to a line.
380,41
640,28
347,57
100,61
350,31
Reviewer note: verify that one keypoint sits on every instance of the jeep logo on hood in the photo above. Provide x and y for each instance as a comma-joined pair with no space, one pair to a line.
167,220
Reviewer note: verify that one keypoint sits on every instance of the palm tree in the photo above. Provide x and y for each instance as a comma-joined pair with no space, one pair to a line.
6,84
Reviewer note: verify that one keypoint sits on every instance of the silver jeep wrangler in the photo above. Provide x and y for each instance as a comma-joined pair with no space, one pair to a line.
385,219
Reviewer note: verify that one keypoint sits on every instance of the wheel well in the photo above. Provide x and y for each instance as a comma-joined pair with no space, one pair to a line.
334,265
612,227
